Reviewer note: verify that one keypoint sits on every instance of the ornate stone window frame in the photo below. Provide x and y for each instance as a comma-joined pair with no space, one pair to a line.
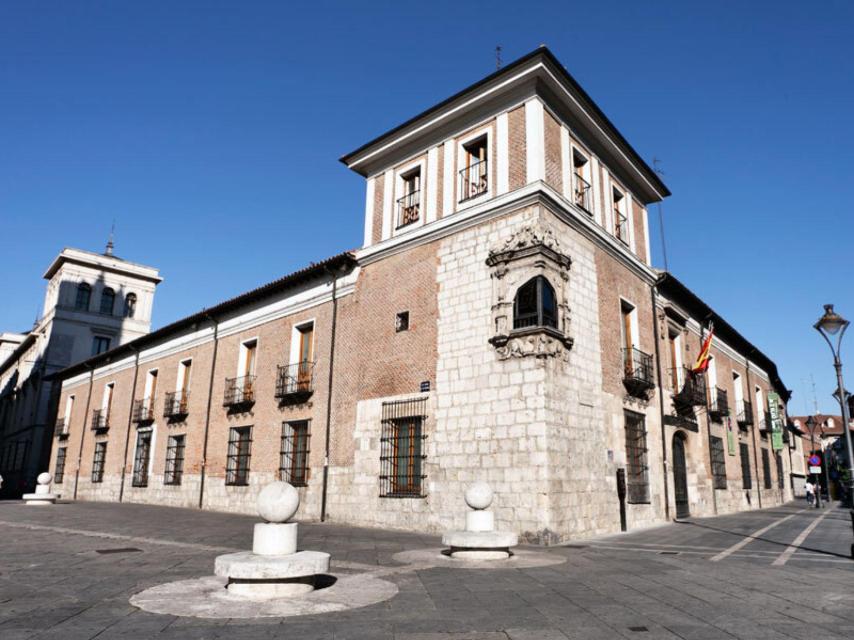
533,250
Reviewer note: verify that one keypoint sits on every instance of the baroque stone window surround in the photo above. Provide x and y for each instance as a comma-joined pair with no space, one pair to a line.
533,250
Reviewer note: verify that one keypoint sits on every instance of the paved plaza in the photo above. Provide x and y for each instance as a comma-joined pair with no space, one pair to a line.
68,572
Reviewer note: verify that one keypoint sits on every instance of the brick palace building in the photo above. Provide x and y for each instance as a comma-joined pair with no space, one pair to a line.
501,322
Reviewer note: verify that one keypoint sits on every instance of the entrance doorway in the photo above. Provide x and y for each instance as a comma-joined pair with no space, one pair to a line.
680,477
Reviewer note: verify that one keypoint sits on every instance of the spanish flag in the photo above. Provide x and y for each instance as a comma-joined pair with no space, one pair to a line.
705,353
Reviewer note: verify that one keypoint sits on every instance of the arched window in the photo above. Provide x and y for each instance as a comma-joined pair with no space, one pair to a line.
108,301
84,293
130,305
535,305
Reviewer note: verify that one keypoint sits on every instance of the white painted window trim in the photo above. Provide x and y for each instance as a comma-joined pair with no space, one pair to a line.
712,377
633,321
295,339
69,406
421,165
184,362
109,389
244,352
738,390
645,215
566,163
369,211
486,130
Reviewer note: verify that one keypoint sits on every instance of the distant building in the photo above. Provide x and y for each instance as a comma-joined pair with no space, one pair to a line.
93,303
501,322
828,442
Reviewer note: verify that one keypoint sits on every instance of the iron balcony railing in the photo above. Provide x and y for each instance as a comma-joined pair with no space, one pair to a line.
60,430
765,423
143,410
296,379
176,403
744,418
719,405
637,371
100,420
239,391
474,180
581,193
692,392
408,208
621,227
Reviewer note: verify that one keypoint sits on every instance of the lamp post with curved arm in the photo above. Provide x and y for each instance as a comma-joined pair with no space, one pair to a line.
831,325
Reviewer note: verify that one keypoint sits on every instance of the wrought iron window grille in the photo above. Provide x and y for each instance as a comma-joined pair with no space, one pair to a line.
141,459
174,460
744,455
637,470
718,463
293,458
402,444
98,462
59,470
239,455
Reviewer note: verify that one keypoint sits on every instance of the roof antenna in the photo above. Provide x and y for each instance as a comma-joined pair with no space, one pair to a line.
655,162
498,57
109,250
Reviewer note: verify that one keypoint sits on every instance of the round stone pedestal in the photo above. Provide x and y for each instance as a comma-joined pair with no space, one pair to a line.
262,577
480,545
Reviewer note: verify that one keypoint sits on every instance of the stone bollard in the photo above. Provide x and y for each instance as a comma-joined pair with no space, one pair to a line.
43,494
480,541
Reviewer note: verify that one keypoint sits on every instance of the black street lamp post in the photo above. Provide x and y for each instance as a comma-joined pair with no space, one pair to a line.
832,324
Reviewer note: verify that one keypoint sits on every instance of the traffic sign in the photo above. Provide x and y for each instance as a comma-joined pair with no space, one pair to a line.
814,469
814,460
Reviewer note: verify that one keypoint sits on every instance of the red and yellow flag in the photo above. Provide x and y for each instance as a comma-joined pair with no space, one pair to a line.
703,359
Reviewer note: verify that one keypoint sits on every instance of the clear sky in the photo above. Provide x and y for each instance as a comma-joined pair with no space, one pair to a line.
211,133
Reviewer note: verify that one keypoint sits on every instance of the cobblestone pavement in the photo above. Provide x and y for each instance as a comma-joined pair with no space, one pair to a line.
737,576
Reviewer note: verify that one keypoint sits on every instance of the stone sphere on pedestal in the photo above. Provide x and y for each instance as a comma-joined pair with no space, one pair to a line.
278,502
479,496
44,478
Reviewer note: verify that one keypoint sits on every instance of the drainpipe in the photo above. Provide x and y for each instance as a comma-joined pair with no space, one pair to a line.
83,432
752,395
208,415
709,431
130,421
327,447
656,337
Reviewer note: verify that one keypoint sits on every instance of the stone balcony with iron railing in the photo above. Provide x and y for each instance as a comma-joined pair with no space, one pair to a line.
239,392
638,372
100,420
744,417
143,411
295,381
692,388
718,404
176,404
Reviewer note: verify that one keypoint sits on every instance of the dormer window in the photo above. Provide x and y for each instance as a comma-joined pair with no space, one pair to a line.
621,220
581,192
474,177
409,206
535,305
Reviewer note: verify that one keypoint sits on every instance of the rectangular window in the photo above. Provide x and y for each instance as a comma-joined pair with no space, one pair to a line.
409,205
98,462
59,470
141,459
100,344
744,454
474,177
621,220
174,460
401,449
581,192
718,463
293,459
637,471
239,453
766,469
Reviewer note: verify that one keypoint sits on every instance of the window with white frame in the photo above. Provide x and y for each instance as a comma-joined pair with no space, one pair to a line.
409,204
474,173
621,218
582,193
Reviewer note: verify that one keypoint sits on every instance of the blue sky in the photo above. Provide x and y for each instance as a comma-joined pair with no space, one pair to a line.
211,133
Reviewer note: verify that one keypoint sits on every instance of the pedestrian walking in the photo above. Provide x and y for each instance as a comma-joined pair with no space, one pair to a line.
810,487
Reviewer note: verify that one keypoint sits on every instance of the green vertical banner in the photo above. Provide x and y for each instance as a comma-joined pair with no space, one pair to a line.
776,421
730,439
